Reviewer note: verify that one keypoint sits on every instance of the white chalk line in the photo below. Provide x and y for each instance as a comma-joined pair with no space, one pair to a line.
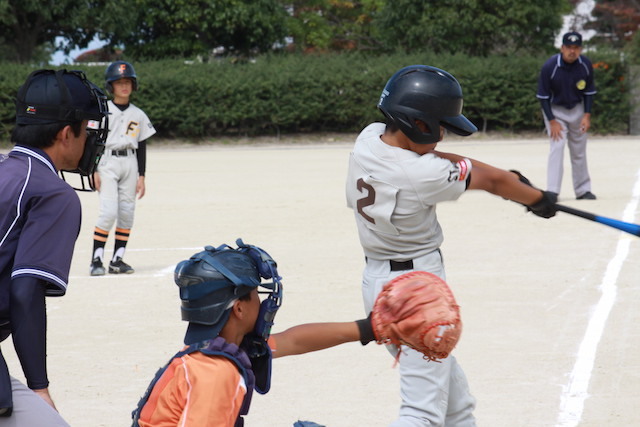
160,273
576,391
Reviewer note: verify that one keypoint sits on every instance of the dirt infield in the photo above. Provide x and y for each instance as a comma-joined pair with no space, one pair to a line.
550,307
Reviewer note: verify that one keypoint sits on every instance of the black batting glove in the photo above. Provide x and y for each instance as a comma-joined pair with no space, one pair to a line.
366,330
545,207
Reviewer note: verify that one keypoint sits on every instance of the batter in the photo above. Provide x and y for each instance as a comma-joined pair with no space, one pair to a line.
395,179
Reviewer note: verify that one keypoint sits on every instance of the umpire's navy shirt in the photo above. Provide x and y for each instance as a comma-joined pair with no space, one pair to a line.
40,218
566,84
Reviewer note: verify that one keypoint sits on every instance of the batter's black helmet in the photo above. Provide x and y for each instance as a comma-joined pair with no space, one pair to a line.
120,70
428,94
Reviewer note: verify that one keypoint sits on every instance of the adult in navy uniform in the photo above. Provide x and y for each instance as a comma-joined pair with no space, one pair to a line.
565,91
60,126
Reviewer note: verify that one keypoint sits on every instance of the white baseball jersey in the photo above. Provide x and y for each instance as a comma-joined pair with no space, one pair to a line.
127,127
394,192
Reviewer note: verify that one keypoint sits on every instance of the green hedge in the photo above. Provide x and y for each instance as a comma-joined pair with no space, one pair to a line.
294,93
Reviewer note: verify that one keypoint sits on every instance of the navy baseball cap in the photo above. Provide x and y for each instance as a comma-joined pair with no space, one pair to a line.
572,38
50,96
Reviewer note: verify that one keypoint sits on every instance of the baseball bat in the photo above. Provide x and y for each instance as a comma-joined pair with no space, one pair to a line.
620,225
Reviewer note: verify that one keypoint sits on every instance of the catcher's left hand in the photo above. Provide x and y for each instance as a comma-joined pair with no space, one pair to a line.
419,310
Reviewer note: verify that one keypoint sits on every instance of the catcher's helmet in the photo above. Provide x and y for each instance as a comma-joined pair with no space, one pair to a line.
206,286
211,280
120,70
428,94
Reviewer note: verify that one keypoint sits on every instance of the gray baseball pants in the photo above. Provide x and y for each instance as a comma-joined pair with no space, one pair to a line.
576,140
30,410
433,394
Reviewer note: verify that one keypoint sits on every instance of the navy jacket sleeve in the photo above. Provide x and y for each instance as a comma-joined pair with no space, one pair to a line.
29,328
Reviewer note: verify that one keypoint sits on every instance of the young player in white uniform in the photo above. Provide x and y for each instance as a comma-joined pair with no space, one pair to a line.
121,171
395,179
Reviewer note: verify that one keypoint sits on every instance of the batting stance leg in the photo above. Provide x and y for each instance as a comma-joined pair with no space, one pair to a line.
433,394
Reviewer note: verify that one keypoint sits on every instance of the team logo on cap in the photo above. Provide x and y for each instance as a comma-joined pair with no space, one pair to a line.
581,84
122,68
30,109
573,38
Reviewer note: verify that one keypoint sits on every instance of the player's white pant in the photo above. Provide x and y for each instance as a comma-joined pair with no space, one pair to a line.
576,140
118,180
433,394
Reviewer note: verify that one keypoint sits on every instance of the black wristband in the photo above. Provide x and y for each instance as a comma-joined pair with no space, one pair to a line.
523,179
366,330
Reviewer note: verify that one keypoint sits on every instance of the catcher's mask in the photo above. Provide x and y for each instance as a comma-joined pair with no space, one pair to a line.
212,280
428,94
120,70
63,96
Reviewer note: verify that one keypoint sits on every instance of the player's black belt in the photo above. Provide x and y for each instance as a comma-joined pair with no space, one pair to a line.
398,265
401,265
123,153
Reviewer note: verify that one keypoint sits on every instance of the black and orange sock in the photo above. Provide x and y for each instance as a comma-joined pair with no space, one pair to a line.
99,241
122,237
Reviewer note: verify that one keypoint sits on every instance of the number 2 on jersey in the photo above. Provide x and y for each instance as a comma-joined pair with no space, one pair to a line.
368,200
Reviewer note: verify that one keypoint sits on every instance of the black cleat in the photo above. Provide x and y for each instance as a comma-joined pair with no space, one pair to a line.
587,196
97,269
120,267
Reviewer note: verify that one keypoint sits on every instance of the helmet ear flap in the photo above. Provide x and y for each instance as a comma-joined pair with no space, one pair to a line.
407,124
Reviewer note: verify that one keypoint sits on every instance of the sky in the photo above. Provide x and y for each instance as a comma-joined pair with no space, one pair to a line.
581,15
59,58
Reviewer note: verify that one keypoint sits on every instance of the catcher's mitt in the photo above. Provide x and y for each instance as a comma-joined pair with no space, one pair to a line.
419,310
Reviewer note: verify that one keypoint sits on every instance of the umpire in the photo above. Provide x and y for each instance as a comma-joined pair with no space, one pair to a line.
565,91
60,126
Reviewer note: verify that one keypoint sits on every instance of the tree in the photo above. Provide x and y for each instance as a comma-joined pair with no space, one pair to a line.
28,26
333,24
474,27
616,22
188,28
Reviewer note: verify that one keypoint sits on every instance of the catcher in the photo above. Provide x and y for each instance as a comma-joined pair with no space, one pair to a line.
229,348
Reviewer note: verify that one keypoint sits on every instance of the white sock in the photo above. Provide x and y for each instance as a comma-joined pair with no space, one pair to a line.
118,254
99,253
